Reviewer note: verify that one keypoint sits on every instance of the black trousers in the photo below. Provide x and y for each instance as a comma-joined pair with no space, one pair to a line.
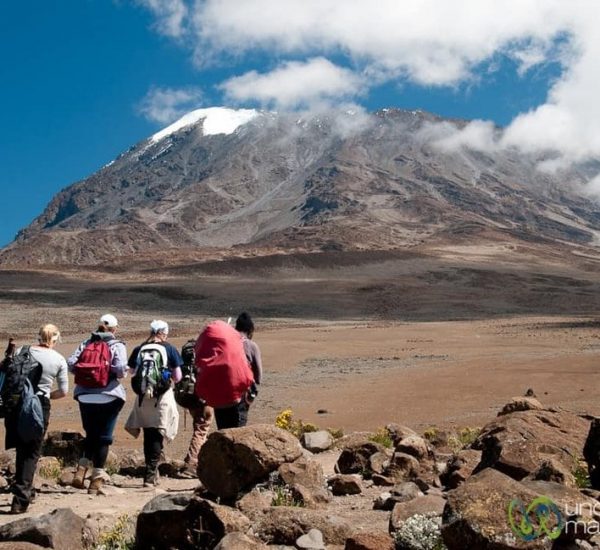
153,446
28,455
235,416
99,421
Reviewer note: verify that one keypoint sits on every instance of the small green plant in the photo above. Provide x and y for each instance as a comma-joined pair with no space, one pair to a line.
463,438
336,433
581,475
120,537
284,497
431,433
383,437
51,470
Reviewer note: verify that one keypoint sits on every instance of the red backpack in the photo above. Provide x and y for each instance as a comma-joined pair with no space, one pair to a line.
224,374
92,369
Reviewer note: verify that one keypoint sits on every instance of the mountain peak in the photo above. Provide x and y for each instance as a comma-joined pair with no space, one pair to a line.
217,120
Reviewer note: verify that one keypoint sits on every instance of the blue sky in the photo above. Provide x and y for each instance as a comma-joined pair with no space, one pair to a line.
82,80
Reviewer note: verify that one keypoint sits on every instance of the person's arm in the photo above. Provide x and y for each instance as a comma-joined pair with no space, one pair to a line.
119,363
62,379
175,363
132,361
72,360
257,368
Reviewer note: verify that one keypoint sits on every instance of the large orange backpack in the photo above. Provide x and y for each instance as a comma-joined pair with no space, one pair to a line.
224,374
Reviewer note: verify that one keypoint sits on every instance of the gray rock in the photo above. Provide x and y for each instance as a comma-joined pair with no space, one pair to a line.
239,541
61,529
313,540
317,442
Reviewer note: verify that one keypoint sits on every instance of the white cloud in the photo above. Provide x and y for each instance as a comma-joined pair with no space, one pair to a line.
295,84
170,15
480,135
426,42
164,105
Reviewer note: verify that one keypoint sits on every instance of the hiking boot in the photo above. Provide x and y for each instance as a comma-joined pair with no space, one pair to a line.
95,486
79,479
151,478
17,508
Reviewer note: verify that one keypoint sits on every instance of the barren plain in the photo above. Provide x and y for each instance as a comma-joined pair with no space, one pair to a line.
350,341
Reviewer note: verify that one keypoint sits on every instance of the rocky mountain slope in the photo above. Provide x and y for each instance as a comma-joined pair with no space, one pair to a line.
245,182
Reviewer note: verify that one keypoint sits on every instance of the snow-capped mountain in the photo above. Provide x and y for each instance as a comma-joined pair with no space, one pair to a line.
224,181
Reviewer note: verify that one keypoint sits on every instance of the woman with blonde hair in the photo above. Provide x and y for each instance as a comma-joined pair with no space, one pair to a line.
52,367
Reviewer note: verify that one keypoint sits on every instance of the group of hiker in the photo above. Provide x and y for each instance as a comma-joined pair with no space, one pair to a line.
214,377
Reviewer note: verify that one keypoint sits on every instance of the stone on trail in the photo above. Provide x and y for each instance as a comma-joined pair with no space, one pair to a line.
239,541
313,540
61,529
345,484
317,442
235,459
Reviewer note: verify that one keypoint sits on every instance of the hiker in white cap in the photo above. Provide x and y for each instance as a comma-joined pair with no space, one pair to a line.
157,367
98,365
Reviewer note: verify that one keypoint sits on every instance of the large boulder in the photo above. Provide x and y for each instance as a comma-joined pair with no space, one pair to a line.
234,460
61,529
478,513
517,443
178,521
284,525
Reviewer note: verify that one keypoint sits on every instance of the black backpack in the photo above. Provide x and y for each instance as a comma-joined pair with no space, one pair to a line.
22,367
185,394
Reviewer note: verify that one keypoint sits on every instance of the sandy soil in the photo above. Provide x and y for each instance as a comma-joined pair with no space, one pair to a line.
414,340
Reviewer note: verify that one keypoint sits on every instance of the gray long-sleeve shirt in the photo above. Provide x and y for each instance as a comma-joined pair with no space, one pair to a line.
54,367
118,367
252,352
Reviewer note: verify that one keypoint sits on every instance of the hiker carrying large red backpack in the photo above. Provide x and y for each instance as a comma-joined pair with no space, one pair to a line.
224,374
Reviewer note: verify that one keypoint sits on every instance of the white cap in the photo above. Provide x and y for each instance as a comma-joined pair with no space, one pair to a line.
159,326
109,320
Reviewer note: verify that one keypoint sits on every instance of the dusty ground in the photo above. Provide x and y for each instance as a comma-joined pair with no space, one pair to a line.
411,339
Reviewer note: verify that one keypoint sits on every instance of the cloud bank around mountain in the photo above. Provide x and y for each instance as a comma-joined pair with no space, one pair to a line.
327,50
